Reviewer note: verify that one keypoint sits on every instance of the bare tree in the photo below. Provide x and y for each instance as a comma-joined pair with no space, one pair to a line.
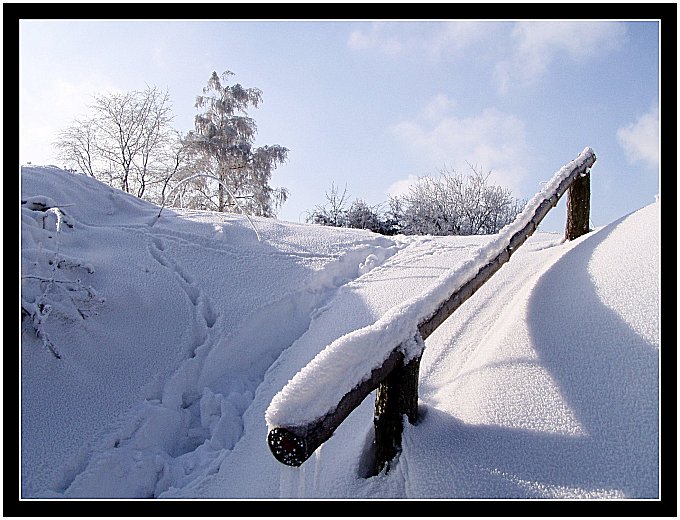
76,145
334,211
132,126
170,163
127,142
155,133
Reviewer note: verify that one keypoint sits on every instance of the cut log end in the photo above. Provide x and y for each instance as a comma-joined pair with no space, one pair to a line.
287,447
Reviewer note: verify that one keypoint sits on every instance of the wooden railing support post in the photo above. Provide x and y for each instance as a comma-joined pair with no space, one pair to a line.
578,207
396,396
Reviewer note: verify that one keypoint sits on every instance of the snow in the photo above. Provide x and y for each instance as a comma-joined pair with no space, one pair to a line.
176,335
316,390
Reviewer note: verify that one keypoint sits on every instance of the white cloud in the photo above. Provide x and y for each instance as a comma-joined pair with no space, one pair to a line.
493,141
536,45
640,140
401,187
431,38
438,106
379,35
454,37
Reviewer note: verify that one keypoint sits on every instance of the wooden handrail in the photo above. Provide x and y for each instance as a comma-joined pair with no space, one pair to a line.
397,377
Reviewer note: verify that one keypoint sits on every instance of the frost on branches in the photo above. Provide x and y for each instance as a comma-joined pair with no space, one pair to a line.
455,204
222,145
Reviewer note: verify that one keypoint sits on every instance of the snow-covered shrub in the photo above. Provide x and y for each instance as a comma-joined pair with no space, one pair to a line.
337,212
455,204
51,283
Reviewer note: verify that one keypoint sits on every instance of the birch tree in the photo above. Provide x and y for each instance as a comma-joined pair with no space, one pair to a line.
222,145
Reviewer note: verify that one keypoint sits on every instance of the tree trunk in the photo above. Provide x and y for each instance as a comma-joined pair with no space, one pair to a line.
220,197
578,208
397,396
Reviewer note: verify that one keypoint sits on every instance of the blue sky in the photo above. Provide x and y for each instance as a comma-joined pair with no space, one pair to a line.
372,104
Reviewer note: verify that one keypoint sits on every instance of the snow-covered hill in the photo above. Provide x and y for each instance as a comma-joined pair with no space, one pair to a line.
152,349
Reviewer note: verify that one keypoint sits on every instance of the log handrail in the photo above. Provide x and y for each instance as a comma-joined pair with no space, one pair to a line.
397,377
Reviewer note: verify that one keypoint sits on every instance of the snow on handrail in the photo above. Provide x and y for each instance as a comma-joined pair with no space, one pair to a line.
306,412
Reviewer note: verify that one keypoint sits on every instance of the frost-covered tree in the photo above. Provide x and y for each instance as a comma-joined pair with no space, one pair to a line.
455,204
451,204
333,212
362,216
132,127
76,146
338,212
172,162
127,141
222,145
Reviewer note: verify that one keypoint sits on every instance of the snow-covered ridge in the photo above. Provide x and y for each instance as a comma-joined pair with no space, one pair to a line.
318,387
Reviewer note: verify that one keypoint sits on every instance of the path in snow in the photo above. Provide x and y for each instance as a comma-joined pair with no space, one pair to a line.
193,418
151,389
250,470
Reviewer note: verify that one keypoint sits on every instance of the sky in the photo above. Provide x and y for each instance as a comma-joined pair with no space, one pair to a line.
371,105
141,377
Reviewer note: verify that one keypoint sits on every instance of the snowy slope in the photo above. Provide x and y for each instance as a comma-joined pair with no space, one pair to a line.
544,384
193,302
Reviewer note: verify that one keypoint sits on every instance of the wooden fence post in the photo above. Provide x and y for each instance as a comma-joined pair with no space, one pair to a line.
396,396
578,207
